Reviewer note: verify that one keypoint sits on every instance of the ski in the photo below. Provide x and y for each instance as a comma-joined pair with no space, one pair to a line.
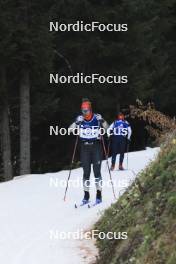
93,205
119,170
81,205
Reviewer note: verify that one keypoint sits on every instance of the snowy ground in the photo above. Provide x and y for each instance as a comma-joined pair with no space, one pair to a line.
33,213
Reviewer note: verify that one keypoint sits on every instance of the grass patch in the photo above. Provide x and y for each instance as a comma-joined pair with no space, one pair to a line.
147,211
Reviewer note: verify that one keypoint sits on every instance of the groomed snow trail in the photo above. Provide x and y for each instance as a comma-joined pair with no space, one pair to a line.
33,213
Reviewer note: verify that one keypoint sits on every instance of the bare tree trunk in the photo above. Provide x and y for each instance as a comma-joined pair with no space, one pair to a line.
5,132
25,123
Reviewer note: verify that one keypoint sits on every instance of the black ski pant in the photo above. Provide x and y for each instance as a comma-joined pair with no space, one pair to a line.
119,144
91,153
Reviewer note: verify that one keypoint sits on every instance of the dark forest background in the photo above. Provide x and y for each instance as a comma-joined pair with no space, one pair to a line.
29,52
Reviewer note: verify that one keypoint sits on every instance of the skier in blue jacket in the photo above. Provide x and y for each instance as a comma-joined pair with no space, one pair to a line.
120,131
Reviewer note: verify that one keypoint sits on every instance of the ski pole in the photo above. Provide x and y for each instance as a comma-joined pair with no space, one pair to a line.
109,143
106,157
127,152
71,165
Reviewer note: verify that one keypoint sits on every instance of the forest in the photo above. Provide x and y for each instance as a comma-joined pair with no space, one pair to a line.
30,52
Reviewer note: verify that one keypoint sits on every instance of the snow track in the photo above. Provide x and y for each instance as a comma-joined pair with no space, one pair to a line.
33,213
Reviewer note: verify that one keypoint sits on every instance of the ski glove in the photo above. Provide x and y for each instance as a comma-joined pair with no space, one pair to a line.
79,119
99,117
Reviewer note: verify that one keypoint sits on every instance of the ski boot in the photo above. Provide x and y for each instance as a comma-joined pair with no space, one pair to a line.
112,167
121,167
98,197
85,200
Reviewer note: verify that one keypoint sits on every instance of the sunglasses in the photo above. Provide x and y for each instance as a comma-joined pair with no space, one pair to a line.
85,111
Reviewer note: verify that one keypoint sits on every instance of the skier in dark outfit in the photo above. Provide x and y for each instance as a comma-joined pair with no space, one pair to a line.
121,132
91,152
